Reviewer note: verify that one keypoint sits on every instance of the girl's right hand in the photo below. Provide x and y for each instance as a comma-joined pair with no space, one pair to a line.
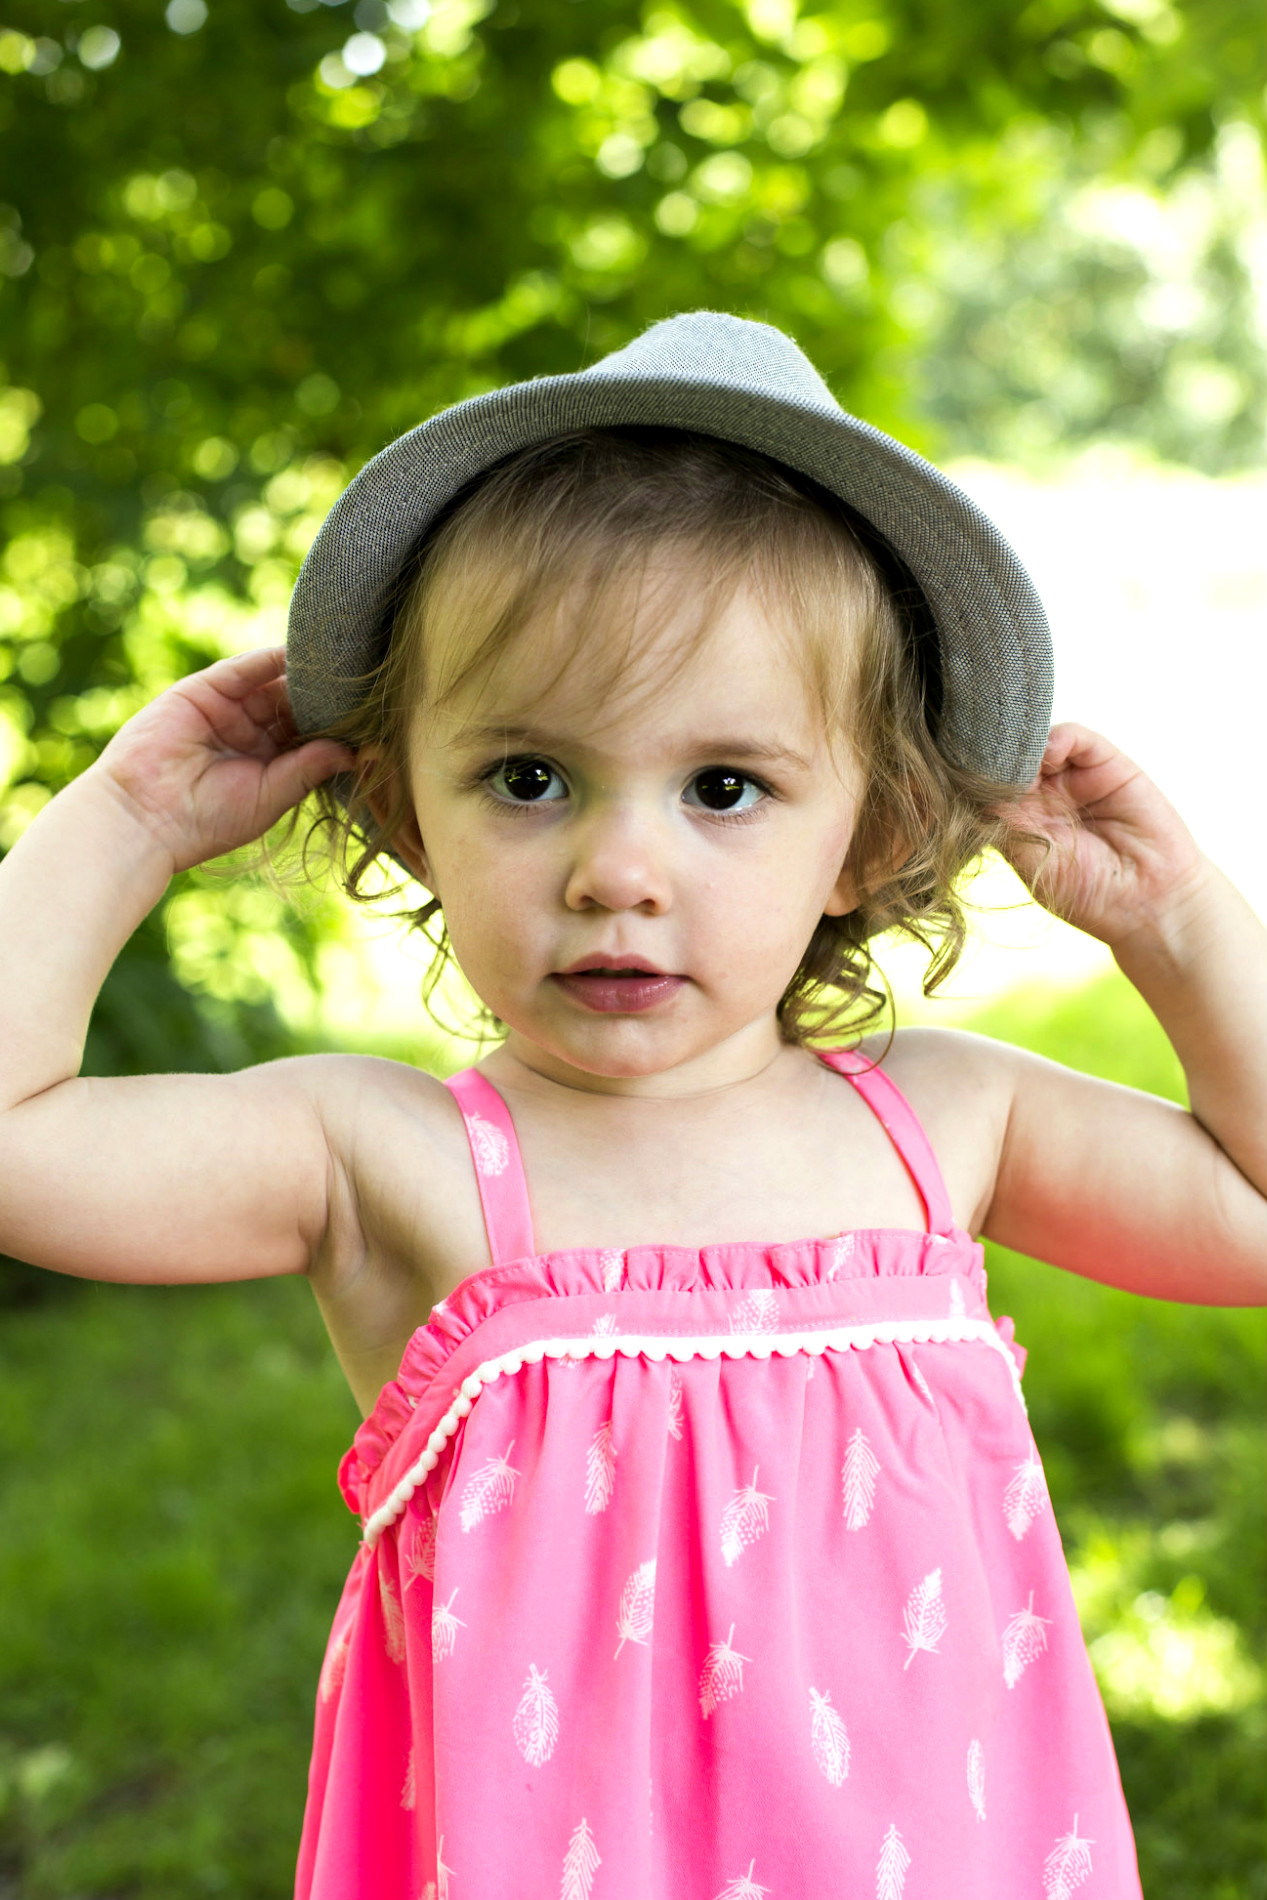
212,763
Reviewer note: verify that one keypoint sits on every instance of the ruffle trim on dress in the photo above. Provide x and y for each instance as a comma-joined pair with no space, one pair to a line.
703,1346
863,1254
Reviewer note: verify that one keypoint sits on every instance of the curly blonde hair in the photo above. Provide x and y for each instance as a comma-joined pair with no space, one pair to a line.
584,515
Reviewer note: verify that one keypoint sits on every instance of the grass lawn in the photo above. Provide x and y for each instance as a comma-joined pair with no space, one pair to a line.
172,1545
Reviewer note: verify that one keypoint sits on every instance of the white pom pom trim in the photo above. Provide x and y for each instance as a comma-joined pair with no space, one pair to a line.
900,1332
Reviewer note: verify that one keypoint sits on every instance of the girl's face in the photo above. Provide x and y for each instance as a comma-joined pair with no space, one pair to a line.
630,877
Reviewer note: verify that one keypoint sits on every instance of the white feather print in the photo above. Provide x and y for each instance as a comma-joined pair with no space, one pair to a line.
921,1382
600,1470
393,1619
334,1668
442,1872
429,1891
604,1326
488,1145
613,1265
488,1490
743,1886
418,1557
536,1723
857,1480
744,1519
1024,1639
976,1777
756,1312
838,1258
722,1675
444,1629
1067,1865
890,1869
637,1606
924,1618
409,1793
828,1738
1026,1496
579,1864
957,1307
675,1405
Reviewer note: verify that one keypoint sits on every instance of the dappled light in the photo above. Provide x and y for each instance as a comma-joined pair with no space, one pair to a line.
243,244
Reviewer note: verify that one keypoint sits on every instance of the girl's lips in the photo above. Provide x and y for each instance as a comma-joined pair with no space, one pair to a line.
618,992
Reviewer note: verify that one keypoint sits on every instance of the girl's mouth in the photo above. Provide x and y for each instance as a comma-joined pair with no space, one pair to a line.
618,991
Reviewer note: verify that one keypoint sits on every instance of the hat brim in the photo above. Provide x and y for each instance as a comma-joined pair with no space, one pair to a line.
995,647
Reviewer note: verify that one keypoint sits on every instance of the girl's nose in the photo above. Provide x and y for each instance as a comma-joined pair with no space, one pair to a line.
619,862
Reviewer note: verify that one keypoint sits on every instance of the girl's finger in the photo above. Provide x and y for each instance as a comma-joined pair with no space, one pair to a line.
245,673
292,775
269,706
1069,742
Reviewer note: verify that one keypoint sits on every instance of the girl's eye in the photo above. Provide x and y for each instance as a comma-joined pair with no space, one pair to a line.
527,782
720,789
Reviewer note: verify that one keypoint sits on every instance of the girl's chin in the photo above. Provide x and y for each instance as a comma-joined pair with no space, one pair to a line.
622,1058
631,1047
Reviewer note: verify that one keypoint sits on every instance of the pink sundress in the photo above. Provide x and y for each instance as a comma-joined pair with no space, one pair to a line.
709,1574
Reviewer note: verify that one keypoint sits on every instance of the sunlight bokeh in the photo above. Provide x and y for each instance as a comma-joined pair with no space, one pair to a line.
1155,1654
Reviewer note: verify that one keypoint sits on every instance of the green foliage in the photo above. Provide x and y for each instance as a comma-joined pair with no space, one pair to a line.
173,1546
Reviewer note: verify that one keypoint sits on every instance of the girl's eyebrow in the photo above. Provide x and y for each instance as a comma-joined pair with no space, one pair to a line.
514,737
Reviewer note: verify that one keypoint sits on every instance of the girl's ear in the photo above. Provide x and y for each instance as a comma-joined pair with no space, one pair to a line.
863,871
844,895
409,848
382,791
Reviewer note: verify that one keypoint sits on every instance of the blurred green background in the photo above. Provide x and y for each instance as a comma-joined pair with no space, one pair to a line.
244,242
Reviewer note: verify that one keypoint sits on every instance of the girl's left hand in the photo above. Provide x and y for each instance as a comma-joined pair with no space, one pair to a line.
1121,859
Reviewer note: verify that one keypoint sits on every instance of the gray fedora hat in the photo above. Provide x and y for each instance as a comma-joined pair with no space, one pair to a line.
743,382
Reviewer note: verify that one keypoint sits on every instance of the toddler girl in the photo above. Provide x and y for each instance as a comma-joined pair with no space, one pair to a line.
706,1551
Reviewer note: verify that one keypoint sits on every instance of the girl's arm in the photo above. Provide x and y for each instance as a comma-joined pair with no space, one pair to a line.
152,1177
1104,1180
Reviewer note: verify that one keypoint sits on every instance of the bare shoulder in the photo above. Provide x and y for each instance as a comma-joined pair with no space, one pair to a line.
369,1104
335,1081
944,1062
403,1221
961,1087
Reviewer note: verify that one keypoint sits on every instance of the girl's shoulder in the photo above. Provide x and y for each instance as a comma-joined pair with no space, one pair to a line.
960,1087
333,1079
942,1061
383,1119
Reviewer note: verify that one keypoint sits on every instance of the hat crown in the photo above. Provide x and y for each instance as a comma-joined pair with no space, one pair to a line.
713,348
713,374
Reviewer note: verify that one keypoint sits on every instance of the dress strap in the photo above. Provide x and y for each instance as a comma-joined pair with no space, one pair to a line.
901,1124
499,1169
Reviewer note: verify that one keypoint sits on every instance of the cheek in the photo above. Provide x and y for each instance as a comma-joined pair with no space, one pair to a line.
811,860
763,909
490,889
